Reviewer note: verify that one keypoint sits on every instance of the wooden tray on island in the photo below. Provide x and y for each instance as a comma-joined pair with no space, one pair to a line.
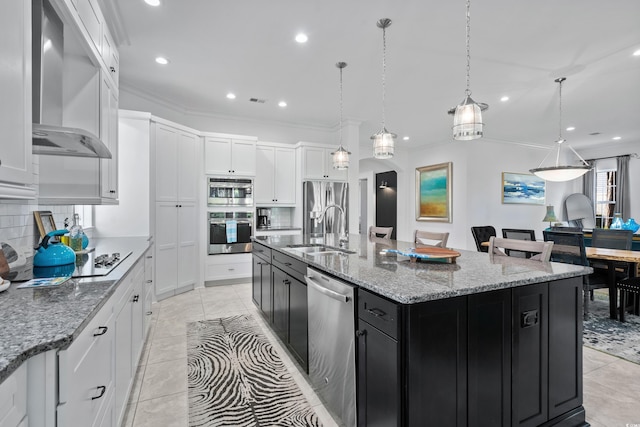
428,253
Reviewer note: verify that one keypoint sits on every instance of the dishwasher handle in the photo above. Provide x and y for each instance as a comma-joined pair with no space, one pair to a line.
328,292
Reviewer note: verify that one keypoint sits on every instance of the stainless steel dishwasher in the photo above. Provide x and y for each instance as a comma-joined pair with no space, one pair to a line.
331,343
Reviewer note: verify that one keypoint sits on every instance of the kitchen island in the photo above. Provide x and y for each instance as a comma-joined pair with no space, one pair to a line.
57,344
478,342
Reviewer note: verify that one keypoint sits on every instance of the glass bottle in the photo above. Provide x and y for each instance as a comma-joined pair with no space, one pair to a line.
617,222
75,234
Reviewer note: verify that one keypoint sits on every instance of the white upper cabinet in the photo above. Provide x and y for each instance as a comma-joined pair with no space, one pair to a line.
228,156
317,164
175,165
275,182
109,135
15,109
92,20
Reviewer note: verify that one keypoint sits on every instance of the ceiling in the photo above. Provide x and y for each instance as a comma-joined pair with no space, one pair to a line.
518,48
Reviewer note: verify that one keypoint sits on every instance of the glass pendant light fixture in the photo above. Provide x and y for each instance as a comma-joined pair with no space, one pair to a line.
467,116
383,141
341,156
558,172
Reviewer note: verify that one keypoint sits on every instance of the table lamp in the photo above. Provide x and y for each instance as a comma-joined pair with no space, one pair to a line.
550,216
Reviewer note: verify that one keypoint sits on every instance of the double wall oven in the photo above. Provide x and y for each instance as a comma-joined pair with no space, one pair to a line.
230,217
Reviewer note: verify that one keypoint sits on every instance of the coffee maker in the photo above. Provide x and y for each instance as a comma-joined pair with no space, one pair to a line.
264,218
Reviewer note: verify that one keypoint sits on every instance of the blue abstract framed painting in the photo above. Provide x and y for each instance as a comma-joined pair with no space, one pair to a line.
522,188
433,192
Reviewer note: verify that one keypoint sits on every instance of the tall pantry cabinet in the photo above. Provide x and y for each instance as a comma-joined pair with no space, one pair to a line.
174,154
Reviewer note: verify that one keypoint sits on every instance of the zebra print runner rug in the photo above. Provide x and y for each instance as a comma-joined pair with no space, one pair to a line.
236,378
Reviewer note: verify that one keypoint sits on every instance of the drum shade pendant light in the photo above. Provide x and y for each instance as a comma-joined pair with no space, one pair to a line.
467,116
560,173
383,141
341,156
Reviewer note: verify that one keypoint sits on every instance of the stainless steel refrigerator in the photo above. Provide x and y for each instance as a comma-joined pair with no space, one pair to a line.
317,195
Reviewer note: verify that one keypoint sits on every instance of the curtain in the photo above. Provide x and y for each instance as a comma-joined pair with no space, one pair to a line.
589,185
622,187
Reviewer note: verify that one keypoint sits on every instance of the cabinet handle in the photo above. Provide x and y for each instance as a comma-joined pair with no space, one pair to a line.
101,331
149,313
286,282
136,298
113,69
179,206
102,389
0,162
112,191
528,318
376,312
361,333
149,281
232,269
288,264
149,256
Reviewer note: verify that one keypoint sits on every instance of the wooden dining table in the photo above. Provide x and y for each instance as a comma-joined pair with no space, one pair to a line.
611,256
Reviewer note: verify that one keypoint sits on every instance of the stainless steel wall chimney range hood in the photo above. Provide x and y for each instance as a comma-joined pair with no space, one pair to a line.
49,137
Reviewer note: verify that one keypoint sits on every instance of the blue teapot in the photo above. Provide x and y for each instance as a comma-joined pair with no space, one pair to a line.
51,254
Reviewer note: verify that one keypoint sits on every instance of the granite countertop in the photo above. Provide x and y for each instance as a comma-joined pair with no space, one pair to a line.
36,320
277,228
398,279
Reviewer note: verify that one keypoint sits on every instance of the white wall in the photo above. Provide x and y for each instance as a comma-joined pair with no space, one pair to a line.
477,189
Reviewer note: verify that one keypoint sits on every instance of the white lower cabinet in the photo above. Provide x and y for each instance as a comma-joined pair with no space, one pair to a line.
13,399
228,267
129,334
176,244
86,373
97,371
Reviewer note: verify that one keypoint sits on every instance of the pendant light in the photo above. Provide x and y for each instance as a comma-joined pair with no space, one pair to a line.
383,141
341,156
467,116
560,173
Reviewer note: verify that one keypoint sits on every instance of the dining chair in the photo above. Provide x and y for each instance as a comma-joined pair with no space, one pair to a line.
482,234
612,239
538,251
429,238
569,248
626,287
520,234
384,232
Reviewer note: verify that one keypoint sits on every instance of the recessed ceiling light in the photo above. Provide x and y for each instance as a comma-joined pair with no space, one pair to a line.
231,95
405,138
282,104
152,2
636,53
301,38
616,138
570,128
162,61
504,99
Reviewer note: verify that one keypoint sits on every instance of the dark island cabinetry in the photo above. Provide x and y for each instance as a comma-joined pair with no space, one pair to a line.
261,289
290,311
509,357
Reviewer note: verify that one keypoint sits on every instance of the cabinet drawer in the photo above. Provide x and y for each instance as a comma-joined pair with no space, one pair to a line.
262,251
379,312
85,373
228,271
289,265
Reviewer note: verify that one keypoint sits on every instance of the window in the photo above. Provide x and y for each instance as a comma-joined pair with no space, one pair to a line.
86,215
605,197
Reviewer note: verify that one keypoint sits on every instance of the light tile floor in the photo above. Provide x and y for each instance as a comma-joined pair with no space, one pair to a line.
159,396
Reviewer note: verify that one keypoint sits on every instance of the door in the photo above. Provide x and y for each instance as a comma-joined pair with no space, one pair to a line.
285,176
266,291
378,378
256,285
166,244
265,170
187,167
217,156
281,285
298,319
166,173
187,259
243,157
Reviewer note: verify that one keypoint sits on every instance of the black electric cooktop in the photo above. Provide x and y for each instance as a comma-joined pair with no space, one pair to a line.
88,264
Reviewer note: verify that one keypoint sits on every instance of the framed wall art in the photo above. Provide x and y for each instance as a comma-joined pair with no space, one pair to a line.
522,188
433,192
44,221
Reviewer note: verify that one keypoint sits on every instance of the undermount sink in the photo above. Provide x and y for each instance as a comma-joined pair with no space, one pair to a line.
314,250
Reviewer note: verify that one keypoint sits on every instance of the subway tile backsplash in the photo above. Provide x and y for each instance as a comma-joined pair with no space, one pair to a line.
18,227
